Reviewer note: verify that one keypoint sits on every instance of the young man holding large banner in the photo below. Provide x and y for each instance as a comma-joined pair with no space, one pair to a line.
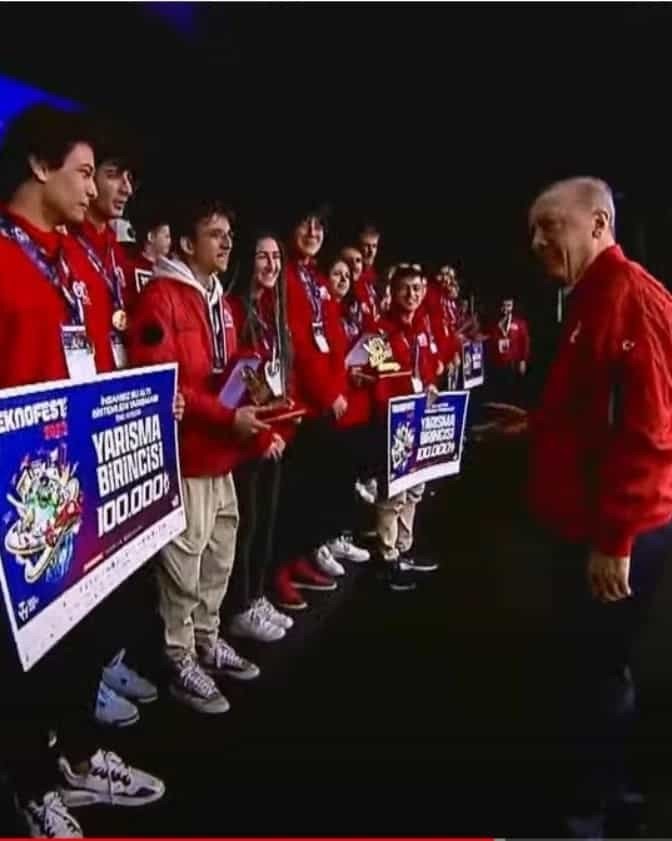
416,353
121,688
54,325
181,316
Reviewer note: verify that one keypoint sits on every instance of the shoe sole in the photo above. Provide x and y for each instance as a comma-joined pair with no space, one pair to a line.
287,606
222,707
401,588
353,560
319,588
127,722
248,636
219,673
120,690
423,568
78,799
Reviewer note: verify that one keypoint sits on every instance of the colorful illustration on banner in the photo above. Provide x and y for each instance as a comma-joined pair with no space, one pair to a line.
48,504
402,446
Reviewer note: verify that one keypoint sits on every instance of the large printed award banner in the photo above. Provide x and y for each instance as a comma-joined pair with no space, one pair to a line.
424,438
89,491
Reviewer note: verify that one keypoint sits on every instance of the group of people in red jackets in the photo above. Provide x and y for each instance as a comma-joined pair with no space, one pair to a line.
274,484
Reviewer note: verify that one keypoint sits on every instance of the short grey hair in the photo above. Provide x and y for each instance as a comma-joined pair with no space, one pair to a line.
592,193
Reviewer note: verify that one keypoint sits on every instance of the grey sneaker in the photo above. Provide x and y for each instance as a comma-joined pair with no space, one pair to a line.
222,659
193,687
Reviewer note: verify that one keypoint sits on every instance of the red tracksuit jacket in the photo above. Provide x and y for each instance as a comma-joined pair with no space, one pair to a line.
32,311
508,345
365,292
442,313
320,376
171,323
110,252
414,349
601,441
286,430
138,271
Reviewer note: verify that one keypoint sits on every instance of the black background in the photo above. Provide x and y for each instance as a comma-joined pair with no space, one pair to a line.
440,120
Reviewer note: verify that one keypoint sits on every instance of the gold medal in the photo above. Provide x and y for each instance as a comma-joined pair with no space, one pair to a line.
119,320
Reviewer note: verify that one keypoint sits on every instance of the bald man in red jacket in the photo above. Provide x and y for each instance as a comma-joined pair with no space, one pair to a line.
600,482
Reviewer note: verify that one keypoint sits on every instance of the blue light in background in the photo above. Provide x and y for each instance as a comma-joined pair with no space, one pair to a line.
181,17
15,96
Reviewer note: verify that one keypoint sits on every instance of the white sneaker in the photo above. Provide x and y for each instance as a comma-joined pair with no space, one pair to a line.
326,562
109,780
255,625
49,818
112,710
273,615
193,687
365,492
345,550
118,676
223,659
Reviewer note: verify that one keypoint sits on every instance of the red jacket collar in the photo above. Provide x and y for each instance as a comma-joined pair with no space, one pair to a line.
602,266
49,241
100,241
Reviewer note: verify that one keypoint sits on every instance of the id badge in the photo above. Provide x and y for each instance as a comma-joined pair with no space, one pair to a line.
320,339
118,350
79,353
416,382
503,345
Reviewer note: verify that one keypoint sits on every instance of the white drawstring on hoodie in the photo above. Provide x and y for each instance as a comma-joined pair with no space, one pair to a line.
178,270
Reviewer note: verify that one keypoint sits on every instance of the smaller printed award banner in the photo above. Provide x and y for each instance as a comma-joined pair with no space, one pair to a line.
89,491
473,368
424,438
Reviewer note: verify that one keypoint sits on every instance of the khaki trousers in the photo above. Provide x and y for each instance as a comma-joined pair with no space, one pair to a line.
394,522
194,569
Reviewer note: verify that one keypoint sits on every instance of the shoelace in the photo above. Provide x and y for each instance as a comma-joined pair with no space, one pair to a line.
53,806
111,767
259,618
267,609
226,656
196,680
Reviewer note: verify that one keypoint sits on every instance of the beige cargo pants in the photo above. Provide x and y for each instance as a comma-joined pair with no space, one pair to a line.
394,522
194,569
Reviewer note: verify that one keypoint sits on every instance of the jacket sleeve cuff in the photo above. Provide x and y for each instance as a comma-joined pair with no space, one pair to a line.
613,540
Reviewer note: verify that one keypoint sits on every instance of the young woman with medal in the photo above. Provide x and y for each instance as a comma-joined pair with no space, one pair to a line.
319,479
259,312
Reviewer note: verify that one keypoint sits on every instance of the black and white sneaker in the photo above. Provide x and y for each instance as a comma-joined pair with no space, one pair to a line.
398,576
50,818
420,563
109,780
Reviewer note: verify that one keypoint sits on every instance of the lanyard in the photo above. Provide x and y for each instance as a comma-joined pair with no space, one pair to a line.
113,280
449,313
313,292
57,271
414,348
505,326
372,299
269,335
